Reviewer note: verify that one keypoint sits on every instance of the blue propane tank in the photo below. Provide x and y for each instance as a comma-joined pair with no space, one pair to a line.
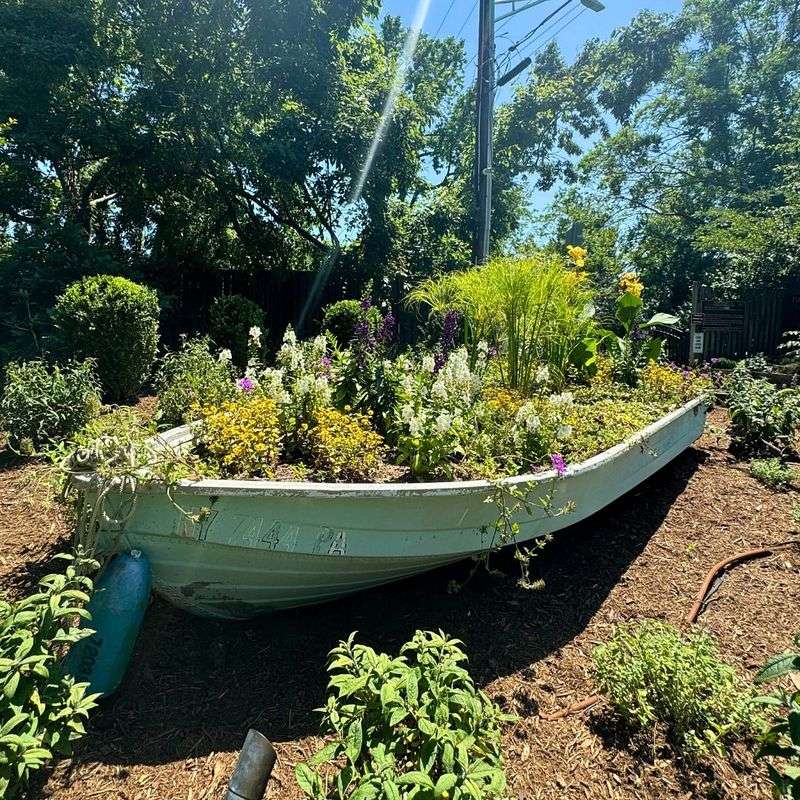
117,608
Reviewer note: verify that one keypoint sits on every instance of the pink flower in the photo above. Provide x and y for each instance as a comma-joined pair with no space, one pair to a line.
559,465
245,384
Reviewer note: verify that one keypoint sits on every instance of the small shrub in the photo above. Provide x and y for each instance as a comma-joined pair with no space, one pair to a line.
669,386
409,727
43,404
242,437
344,447
340,318
43,710
771,472
231,319
115,322
190,377
763,417
652,675
781,741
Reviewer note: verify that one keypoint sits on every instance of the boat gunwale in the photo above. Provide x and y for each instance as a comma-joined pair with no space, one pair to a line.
180,436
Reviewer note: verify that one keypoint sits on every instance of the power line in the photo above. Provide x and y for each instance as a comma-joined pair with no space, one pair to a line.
539,25
444,18
563,27
467,19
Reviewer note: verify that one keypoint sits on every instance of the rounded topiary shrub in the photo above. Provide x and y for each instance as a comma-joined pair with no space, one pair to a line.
340,319
231,318
115,322
44,404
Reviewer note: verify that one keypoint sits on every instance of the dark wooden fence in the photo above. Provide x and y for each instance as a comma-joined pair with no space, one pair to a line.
750,324
281,295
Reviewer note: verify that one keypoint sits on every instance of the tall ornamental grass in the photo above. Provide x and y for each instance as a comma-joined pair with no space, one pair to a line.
535,310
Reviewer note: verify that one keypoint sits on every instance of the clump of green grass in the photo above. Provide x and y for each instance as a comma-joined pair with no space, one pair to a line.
772,472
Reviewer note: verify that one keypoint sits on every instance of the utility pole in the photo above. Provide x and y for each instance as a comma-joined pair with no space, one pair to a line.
483,140
484,110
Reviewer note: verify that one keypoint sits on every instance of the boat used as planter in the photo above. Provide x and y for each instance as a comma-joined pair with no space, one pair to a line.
235,549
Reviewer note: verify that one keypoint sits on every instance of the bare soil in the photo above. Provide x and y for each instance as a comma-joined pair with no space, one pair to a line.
195,686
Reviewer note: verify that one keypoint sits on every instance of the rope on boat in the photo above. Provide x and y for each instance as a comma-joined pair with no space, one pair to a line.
710,584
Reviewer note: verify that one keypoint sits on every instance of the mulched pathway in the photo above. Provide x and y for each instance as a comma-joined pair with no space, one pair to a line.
195,686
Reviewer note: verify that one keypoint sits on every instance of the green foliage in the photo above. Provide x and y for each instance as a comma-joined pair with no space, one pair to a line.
115,322
231,319
763,418
632,351
42,710
534,309
772,472
42,403
190,377
340,319
651,674
414,726
343,446
781,742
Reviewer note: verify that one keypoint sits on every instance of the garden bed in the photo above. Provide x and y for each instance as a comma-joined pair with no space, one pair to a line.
196,685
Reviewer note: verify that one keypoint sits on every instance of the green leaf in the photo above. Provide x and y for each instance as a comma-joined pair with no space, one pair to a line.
307,779
445,783
665,320
354,741
416,778
777,667
628,308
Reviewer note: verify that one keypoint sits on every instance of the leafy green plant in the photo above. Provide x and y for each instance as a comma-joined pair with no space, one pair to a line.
781,741
414,726
535,310
45,403
651,674
231,320
635,348
189,377
771,472
115,322
763,418
242,436
42,709
340,319
343,446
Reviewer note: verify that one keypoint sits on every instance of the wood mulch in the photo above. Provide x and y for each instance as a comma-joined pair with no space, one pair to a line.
195,686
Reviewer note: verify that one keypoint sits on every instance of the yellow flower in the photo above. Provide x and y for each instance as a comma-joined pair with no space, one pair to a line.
629,283
577,255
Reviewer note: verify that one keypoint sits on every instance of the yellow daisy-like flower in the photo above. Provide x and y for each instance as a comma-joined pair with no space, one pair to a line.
577,255
629,283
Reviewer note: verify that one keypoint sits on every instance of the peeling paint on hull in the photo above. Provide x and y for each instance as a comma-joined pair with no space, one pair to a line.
268,545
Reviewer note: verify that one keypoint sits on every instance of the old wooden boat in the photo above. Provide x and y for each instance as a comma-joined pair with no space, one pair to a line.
234,549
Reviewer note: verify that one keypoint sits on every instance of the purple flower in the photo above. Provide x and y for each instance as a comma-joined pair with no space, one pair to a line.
558,464
245,384
492,352
366,303
449,330
386,332
439,360
325,362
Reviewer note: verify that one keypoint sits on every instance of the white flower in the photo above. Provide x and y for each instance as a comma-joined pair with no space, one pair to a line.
564,399
439,391
255,335
319,346
415,426
443,422
543,374
428,364
407,412
289,337
225,356
528,418
563,431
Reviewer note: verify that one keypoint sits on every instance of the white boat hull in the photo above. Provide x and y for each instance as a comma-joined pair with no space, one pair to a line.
268,545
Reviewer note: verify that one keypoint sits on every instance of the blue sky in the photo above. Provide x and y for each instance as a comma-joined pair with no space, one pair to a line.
568,31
